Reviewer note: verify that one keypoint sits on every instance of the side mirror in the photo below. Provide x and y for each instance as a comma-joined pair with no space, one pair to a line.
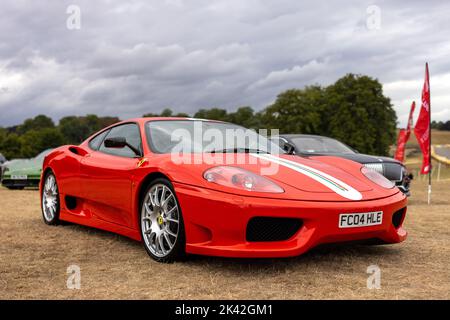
121,142
116,142
289,148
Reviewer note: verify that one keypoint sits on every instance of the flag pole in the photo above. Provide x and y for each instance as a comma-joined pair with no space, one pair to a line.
429,145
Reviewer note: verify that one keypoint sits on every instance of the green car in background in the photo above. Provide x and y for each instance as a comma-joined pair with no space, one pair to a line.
21,173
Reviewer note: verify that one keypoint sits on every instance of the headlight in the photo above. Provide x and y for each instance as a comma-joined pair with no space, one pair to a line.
377,178
378,167
240,179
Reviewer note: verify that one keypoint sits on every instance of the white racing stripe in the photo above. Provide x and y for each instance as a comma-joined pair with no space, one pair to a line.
323,178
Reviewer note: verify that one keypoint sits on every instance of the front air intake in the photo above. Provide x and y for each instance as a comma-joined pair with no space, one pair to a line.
260,229
398,217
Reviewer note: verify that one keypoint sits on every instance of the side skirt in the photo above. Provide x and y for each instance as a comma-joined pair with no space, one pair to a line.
91,221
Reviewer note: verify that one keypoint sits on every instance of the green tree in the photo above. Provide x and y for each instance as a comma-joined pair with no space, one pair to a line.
246,117
105,122
35,141
182,115
3,134
166,113
212,114
445,126
150,115
296,111
36,123
358,114
10,146
74,129
77,129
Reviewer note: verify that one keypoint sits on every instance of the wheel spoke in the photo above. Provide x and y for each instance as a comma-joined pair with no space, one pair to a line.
47,185
168,241
155,197
172,220
166,200
163,196
157,245
169,213
171,233
161,243
147,209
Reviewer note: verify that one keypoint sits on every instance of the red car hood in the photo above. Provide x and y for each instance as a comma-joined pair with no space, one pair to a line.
330,179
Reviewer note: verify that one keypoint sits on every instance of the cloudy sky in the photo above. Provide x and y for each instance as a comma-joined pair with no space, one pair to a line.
131,57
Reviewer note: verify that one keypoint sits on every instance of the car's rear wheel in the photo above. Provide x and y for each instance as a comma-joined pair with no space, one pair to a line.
50,200
162,226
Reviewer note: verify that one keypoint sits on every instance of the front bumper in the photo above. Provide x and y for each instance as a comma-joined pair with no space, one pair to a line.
20,183
216,222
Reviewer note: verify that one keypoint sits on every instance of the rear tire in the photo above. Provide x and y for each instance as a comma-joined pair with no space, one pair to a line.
50,200
161,222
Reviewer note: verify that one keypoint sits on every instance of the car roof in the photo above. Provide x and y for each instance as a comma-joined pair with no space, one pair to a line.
146,119
295,135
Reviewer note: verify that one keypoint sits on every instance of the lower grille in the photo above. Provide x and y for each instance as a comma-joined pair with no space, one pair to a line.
261,229
398,217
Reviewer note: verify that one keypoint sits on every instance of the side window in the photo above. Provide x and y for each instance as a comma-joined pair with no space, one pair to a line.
130,132
95,142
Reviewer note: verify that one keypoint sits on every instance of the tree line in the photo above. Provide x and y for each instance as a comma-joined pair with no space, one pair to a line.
441,125
39,133
352,110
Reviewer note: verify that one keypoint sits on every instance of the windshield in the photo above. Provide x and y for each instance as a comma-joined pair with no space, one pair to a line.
41,155
195,136
309,144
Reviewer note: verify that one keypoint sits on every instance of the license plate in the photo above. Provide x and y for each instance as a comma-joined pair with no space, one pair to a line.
19,177
365,219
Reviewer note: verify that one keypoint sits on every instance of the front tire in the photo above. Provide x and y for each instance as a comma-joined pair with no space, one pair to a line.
50,200
161,222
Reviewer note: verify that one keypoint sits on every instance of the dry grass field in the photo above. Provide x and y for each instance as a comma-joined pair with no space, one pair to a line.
34,258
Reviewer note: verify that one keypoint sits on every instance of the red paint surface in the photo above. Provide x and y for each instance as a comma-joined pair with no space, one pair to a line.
107,188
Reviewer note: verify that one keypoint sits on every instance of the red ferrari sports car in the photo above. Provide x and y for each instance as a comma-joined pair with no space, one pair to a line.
177,186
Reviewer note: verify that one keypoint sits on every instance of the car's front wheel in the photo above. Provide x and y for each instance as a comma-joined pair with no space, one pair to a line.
162,227
50,200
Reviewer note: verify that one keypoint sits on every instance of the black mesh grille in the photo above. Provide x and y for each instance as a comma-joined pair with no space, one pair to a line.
272,229
397,218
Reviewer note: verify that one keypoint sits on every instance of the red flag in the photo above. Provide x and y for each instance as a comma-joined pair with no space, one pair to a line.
403,136
401,142
422,128
410,120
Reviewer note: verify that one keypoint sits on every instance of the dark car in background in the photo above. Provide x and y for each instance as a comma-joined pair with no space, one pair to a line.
313,145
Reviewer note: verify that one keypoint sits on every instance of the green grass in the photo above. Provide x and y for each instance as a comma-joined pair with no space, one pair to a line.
437,137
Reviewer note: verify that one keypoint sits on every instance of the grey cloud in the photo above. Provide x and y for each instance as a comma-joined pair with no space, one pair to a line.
140,56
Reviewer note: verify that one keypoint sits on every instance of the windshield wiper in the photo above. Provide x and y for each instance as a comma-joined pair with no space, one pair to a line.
238,150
